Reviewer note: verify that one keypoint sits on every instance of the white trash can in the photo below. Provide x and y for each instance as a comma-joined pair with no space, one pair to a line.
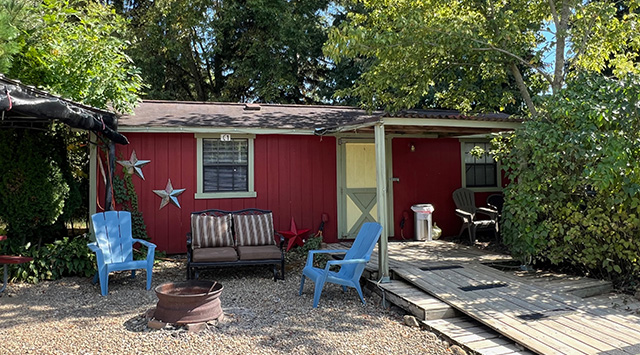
423,221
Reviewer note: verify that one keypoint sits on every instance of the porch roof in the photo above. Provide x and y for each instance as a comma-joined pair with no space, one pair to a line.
28,107
171,116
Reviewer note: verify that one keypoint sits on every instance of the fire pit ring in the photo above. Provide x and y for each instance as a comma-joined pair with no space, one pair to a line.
188,302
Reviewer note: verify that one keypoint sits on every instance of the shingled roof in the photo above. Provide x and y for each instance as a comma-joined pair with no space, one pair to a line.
216,114
311,118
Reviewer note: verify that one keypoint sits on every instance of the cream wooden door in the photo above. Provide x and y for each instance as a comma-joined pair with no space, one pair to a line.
357,186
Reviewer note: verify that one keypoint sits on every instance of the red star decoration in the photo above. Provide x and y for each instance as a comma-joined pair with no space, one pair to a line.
295,236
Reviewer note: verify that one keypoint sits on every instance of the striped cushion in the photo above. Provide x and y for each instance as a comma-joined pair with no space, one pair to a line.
211,231
254,229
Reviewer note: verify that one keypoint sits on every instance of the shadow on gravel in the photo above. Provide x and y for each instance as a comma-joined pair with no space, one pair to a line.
253,304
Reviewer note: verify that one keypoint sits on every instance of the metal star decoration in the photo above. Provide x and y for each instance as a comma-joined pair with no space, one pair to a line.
294,235
169,195
133,165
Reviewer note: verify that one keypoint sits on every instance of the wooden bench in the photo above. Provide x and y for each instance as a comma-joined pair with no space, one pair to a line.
5,260
221,238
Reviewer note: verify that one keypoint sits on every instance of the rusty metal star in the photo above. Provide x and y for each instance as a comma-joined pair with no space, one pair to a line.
169,195
133,165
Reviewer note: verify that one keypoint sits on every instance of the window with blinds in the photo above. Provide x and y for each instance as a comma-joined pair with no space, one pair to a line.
482,171
225,165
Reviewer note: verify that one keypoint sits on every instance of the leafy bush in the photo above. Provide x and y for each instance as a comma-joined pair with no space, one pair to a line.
300,253
32,185
66,257
576,192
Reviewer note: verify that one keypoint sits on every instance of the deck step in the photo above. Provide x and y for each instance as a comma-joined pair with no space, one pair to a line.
413,300
473,336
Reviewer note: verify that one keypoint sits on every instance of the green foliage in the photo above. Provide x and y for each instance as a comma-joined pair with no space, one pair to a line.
576,195
10,12
480,55
300,253
65,257
125,194
254,50
32,186
76,49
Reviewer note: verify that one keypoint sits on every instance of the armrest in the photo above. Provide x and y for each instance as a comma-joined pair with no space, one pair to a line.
488,212
188,240
145,243
345,262
150,248
466,216
279,239
313,252
94,247
99,255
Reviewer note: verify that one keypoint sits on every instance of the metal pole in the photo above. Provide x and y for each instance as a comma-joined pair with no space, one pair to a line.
381,191
111,163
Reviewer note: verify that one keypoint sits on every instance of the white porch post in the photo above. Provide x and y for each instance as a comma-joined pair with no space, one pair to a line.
381,182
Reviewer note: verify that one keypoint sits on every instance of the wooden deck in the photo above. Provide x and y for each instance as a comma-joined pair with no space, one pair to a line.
536,311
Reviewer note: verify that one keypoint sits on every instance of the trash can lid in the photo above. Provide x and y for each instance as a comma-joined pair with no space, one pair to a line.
424,208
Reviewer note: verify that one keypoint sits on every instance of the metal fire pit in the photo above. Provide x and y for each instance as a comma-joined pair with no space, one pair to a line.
188,302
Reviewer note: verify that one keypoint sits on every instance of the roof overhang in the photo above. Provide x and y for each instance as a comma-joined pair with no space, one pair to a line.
211,117
27,107
419,126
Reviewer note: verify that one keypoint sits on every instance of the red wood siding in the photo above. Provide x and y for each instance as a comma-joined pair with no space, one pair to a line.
428,175
295,176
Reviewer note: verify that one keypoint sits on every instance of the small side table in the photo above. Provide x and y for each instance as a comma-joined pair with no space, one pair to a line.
5,260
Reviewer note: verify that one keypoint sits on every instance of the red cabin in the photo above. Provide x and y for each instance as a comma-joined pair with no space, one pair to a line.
300,161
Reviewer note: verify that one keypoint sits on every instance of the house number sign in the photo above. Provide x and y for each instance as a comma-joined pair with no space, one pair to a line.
225,137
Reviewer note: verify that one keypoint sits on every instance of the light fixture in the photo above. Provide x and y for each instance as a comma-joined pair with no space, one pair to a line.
412,147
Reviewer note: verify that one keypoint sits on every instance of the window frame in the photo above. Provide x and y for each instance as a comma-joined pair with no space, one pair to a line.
200,194
498,186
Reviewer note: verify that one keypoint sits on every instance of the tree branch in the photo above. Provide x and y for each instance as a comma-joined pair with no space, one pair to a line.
523,88
546,76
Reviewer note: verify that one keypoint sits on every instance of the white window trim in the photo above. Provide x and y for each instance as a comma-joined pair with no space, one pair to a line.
200,194
464,168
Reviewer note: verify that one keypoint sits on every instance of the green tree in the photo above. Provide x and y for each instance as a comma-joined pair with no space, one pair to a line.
32,188
577,196
11,12
236,50
483,55
76,49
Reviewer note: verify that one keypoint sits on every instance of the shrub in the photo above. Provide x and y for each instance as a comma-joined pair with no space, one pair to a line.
576,192
65,257
32,186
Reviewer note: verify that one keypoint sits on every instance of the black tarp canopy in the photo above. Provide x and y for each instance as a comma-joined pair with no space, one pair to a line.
22,105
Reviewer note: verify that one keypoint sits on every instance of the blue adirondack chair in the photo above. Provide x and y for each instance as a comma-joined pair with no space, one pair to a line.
114,247
351,266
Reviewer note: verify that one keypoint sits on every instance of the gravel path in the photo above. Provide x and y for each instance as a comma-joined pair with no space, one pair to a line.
69,316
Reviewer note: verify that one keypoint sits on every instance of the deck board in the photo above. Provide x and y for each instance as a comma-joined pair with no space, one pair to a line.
502,308
567,324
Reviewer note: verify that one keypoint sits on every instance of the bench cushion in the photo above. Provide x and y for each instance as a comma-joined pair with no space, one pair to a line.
259,252
211,231
254,230
214,254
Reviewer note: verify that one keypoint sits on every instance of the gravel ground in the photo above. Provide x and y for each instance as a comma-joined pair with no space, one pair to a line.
69,316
